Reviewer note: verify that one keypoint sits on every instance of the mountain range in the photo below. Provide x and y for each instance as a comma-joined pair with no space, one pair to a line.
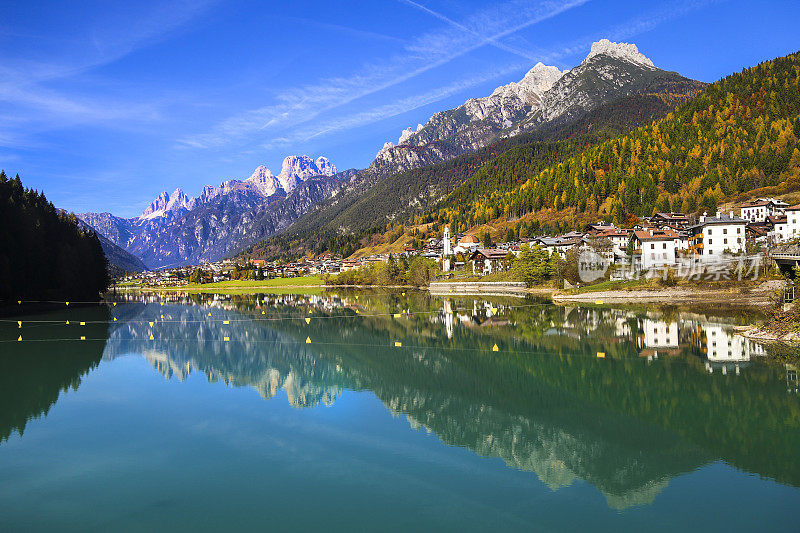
613,90
309,195
176,229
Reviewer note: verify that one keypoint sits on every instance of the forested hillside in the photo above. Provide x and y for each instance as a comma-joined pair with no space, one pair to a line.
44,255
402,196
738,135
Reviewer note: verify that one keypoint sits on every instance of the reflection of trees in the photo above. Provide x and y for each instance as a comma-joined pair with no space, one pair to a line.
34,374
662,416
544,403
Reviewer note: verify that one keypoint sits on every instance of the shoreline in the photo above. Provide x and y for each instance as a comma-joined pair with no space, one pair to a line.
763,295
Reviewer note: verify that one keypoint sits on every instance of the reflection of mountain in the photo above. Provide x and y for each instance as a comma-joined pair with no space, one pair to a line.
188,339
34,374
544,403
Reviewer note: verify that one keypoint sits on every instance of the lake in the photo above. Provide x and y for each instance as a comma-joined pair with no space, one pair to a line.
391,411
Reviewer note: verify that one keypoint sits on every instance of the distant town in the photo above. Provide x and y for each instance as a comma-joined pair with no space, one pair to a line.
661,241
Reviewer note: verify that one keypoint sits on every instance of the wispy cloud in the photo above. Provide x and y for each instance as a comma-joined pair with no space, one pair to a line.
630,28
399,107
422,54
494,42
29,87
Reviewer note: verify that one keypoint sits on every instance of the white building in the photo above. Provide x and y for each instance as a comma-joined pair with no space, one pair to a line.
619,238
718,235
447,246
780,228
759,210
792,230
467,245
655,247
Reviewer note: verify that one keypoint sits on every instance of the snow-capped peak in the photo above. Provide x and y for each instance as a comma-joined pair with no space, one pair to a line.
626,51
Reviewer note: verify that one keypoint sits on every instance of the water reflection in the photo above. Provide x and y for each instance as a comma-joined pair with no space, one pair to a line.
34,374
625,400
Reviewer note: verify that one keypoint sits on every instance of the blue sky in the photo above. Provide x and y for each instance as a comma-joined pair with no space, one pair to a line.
105,104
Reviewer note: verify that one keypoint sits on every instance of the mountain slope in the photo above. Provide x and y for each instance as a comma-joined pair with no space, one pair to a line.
370,201
119,261
739,135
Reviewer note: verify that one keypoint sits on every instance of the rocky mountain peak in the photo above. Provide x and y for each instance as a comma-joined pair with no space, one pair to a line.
165,203
530,88
263,180
625,51
298,168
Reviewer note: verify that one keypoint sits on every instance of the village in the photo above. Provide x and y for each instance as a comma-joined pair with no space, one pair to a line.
664,240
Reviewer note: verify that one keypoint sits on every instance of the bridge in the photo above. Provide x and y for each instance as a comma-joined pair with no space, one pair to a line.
787,257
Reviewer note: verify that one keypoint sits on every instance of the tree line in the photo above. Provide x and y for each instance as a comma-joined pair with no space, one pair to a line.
44,254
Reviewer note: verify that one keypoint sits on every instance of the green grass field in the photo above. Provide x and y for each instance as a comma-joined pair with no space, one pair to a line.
614,286
307,283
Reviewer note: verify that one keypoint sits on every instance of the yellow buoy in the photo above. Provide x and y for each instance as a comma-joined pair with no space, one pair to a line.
397,315
83,323
494,310
263,312
151,337
309,311
308,340
162,316
402,294
209,314
20,323
601,355
495,348
19,302
226,322
226,339
151,324
115,319
115,304
67,303
356,297
19,339
83,338
397,344
68,322
599,302
162,303
308,320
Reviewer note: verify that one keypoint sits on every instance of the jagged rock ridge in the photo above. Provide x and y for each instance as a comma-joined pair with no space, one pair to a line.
175,229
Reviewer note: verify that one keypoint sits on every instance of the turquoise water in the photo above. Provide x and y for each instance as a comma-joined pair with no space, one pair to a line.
584,417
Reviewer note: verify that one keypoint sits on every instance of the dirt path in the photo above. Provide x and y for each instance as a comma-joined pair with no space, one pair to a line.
763,295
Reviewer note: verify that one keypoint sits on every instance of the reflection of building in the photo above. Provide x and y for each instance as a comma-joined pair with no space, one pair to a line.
447,308
722,347
791,378
658,337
